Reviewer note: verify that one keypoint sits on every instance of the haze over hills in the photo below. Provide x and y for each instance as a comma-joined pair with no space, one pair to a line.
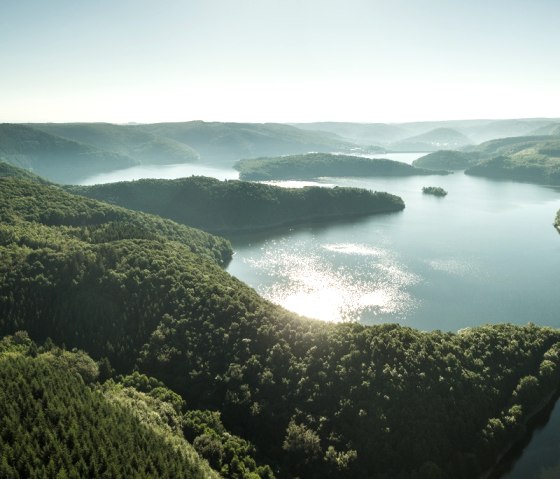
435,139
53,157
125,140
69,153
384,134
228,142
533,159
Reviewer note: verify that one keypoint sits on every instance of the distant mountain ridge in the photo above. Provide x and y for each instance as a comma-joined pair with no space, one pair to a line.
384,134
71,152
53,157
436,139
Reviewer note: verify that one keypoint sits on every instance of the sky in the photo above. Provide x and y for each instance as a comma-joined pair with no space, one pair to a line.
278,60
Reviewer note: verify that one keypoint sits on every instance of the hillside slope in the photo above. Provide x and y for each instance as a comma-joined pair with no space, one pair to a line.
55,424
142,146
55,158
436,139
228,142
315,165
318,400
230,206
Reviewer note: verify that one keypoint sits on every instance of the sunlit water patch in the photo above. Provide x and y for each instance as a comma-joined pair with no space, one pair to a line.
319,281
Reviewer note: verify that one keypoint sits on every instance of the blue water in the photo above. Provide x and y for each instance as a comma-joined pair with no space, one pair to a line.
486,253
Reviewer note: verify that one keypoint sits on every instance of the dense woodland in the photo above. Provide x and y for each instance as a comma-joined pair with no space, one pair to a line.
531,168
72,421
309,399
448,160
314,165
53,157
231,206
533,159
71,152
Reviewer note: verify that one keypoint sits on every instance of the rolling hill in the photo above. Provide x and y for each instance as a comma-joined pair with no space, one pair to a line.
233,206
228,142
318,400
53,157
315,165
437,139
127,140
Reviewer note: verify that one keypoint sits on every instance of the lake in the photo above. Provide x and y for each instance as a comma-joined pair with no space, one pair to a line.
485,253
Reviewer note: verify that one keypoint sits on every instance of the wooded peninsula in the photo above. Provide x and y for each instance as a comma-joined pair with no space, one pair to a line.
316,165
235,206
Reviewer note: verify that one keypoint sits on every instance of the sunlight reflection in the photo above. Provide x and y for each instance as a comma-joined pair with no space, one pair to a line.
324,287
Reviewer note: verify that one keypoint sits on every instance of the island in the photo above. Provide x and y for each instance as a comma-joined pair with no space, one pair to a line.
315,165
236,206
434,190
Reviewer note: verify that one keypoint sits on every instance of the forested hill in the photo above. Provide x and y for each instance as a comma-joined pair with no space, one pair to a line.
533,159
26,205
448,160
57,424
230,206
227,142
318,400
11,171
53,157
315,165
143,146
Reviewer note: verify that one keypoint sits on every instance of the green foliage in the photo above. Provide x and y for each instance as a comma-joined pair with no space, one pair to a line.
231,455
216,141
53,157
220,206
377,402
434,190
314,165
448,160
53,425
143,146
431,140
535,165
7,170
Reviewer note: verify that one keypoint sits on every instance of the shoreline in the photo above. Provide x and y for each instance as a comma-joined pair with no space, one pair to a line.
322,219
549,401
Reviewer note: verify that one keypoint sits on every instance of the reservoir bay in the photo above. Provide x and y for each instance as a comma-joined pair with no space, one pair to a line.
485,253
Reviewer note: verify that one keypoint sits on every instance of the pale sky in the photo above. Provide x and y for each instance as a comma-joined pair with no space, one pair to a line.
278,60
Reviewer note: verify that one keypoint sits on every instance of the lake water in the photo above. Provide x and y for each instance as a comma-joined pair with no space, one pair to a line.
167,172
486,253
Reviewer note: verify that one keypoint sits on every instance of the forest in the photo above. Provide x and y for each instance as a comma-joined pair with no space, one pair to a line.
448,160
234,206
149,301
315,165
531,159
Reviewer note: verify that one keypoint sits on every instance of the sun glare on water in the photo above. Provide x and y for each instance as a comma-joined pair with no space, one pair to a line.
334,282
